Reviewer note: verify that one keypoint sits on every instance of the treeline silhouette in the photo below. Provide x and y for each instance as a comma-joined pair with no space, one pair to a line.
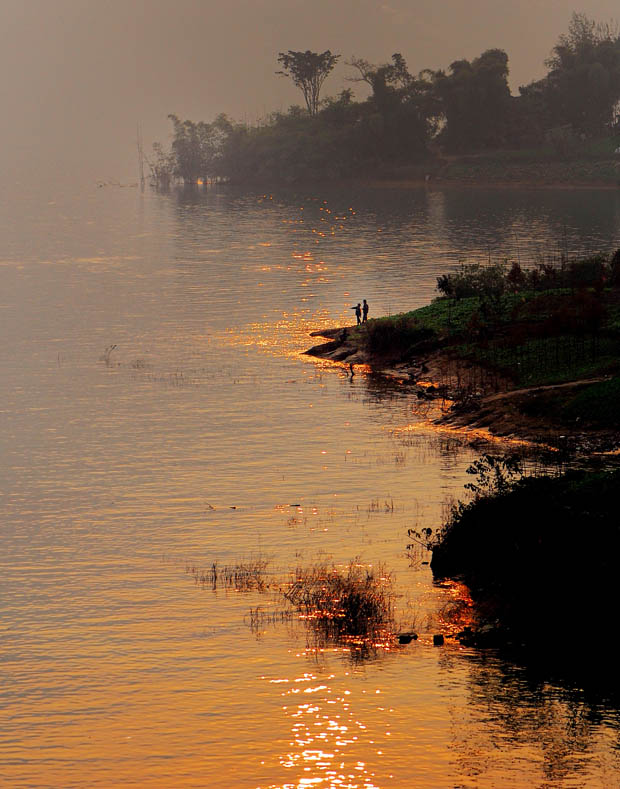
409,120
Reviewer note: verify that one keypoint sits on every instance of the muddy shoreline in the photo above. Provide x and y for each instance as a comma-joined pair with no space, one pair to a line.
475,398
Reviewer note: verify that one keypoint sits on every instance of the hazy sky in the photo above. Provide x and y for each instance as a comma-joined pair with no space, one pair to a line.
77,75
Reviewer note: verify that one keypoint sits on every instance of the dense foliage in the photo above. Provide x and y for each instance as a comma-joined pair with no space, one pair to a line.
579,95
409,119
476,102
539,552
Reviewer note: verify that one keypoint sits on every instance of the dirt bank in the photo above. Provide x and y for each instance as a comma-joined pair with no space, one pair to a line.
479,398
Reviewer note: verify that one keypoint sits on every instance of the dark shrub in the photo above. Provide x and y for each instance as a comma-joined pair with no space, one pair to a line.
486,282
395,336
614,269
586,273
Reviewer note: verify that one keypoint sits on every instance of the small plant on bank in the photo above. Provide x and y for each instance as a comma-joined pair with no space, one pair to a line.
495,474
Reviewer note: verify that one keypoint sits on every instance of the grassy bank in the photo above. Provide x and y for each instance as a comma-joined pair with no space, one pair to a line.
578,172
550,324
533,353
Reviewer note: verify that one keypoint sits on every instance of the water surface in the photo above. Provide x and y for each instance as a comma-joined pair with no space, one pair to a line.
157,416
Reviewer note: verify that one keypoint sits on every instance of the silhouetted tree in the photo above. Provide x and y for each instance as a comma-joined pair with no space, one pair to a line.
198,147
308,70
582,88
403,112
475,98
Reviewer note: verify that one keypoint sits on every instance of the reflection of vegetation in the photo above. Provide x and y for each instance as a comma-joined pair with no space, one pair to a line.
558,725
258,618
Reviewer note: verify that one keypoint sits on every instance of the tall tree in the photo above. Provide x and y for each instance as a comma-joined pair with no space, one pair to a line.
308,70
197,147
583,84
403,106
475,98
581,92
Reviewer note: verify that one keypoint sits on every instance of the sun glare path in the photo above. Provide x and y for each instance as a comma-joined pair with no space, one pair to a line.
329,741
289,335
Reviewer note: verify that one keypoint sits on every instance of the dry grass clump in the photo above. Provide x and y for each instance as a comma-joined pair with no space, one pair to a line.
245,576
259,618
356,602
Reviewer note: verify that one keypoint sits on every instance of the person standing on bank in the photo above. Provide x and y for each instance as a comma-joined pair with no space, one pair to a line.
358,312
365,311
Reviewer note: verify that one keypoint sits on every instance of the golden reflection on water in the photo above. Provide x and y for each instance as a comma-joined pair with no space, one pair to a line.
330,744
288,335
120,675
467,433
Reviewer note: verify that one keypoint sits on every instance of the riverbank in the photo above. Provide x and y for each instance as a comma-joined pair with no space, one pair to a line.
533,356
538,593
477,398
540,583
470,173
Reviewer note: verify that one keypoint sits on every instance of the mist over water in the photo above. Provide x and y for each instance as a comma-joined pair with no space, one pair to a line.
157,417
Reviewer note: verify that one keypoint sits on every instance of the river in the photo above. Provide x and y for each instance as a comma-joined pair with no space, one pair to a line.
158,416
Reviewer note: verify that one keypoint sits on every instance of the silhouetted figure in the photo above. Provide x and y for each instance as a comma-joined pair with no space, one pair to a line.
358,312
365,311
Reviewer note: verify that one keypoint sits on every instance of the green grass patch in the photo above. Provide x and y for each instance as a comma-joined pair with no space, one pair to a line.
547,360
555,322
447,316
598,404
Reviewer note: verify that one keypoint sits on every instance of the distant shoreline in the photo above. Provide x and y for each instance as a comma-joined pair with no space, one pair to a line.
463,183
463,173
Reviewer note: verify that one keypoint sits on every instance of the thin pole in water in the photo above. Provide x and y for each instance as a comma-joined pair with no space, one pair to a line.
140,155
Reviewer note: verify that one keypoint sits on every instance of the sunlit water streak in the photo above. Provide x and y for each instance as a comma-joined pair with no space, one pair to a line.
204,436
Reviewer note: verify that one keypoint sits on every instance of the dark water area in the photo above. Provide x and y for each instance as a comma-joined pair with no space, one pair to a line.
158,415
